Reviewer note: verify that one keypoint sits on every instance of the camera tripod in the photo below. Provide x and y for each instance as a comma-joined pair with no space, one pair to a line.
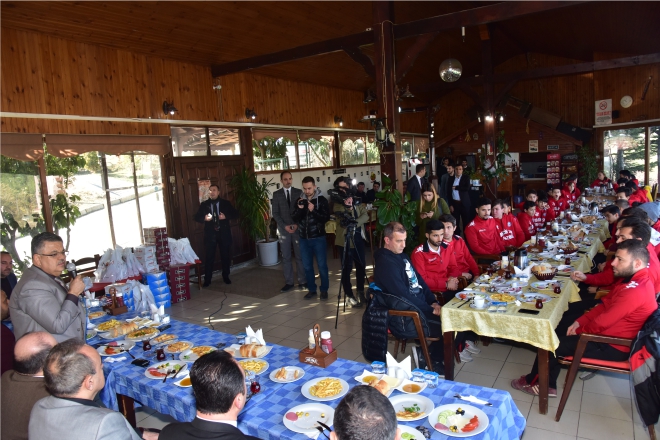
349,239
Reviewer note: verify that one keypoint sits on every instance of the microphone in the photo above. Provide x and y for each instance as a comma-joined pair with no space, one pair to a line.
72,269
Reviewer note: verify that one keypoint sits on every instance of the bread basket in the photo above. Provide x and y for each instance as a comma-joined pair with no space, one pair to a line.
545,275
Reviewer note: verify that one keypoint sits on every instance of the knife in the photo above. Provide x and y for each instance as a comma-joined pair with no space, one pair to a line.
177,373
458,396
466,301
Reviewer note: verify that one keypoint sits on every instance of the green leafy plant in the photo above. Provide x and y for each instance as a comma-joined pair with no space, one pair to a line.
253,203
394,207
588,160
497,170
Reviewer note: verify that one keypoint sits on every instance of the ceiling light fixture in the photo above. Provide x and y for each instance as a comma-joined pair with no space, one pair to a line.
478,117
406,93
501,117
368,97
250,114
381,131
489,117
339,120
450,70
168,107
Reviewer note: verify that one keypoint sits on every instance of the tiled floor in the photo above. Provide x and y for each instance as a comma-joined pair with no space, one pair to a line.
598,409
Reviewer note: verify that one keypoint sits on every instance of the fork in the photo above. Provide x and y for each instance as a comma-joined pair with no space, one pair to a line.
167,374
124,350
322,431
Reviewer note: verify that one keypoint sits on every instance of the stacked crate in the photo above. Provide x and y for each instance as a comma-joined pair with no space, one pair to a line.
158,237
180,282
146,256
157,283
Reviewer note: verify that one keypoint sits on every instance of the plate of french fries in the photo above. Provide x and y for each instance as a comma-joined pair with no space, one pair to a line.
323,389
287,374
255,365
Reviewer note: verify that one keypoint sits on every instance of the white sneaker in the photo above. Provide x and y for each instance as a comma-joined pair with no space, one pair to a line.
471,347
465,356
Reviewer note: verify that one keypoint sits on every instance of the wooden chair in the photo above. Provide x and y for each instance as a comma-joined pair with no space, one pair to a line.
577,361
87,265
487,257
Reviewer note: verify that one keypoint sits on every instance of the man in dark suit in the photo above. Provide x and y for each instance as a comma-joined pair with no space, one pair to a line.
284,202
460,197
371,194
7,274
415,183
215,214
218,384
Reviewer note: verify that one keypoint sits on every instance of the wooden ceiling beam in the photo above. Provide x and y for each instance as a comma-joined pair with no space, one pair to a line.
362,59
408,59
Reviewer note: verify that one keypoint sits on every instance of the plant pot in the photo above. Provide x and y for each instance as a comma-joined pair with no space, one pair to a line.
268,253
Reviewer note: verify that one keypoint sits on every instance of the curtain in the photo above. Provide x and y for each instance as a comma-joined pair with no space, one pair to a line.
258,135
22,146
67,145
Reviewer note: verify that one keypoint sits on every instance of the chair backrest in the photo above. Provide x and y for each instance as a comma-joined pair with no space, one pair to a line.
87,265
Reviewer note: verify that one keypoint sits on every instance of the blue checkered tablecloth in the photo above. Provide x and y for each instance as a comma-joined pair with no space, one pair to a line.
263,414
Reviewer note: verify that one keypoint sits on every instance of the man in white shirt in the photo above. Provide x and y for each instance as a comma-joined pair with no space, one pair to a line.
218,384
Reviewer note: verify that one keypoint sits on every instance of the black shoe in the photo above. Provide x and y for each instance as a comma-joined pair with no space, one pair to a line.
310,295
439,368
206,284
226,280
302,286
324,295
361,297
286,288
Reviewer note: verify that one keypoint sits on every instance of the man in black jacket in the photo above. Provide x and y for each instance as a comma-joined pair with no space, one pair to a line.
416,182
218,384
460,197
395,275
371,194
311,214
215,214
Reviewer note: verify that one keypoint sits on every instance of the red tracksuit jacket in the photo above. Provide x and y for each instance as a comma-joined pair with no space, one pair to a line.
638,196
512,234
484,237
610,241
527,225
570,196
464,261
598,182
542,216
435,268
623,311
558,205
606,277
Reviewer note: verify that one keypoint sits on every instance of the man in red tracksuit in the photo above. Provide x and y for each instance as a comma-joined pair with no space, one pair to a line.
526,219
558,203
483,234
612,214
543,212
434,262
638,195
456,245
622,314
511,232
531,196
571,191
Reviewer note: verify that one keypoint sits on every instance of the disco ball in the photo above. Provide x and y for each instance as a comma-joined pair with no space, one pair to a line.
450,70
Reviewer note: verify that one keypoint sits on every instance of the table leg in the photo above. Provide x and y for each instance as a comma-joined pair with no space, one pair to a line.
544,378
449,355
127,408
198,269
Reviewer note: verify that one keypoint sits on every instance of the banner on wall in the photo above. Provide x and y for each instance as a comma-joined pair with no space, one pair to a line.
604,112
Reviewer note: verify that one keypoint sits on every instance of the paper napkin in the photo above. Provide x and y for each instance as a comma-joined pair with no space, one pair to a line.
252,337
111,360
474,399
526,272
400,370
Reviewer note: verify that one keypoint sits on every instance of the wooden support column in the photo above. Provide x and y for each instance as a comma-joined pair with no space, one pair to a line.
45,199
488,101
391,156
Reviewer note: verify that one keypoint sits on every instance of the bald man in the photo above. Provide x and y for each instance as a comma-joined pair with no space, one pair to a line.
8,339
23,386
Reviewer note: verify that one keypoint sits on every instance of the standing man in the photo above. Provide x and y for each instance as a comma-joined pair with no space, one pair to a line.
415,183
460,198
284,200
215,213
41,301
445,183
311,214
371,194
8,278
466,168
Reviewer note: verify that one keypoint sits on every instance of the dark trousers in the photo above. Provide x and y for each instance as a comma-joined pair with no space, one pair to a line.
568,344
460,213
356,255
212,241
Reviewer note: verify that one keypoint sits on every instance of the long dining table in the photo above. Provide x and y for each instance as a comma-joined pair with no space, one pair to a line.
127,385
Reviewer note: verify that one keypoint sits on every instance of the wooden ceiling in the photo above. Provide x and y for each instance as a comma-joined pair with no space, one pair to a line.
213,33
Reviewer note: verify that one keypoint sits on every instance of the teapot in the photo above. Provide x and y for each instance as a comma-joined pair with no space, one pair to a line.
520,259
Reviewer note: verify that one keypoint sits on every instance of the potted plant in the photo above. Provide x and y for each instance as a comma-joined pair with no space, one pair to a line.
497,170
252,200
394,207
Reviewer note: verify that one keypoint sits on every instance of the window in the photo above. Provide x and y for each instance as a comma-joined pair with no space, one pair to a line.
654,153
352,151
373,153
626,150
224,142
420,145
315,150
270,153
198,141
407,148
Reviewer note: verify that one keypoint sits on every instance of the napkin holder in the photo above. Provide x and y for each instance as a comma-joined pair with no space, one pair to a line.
113,306
317,356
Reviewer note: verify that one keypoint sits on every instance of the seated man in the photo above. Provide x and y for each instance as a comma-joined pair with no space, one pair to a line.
623,193
544,213
8,339
74,376
23,386
41,301
557,202
365,414
511,232
371,194
395,275
526,219
7,276
456,245
653,211
532,196
570,191
622,204
611,214
483,234
637,194
218,384
622,314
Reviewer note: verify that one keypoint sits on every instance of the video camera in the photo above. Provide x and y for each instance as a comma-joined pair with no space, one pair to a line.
340,195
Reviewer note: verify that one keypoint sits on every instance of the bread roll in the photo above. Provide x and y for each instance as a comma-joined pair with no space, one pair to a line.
252,350
123,329
381,386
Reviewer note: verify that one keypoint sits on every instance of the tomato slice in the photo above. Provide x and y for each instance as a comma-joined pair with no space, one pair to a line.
474,422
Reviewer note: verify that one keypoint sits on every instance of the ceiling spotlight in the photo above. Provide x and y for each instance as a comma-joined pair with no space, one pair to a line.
250,114
406,93
168,107
489,118
399,109
368,97
450,70
501,117
339,120
479,117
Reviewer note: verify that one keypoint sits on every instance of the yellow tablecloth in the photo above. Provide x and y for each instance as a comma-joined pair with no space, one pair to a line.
537,330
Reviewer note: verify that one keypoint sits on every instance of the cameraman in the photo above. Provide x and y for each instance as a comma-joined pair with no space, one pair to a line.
311,214
359,214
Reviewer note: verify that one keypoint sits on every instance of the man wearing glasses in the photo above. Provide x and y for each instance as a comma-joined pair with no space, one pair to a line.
41,302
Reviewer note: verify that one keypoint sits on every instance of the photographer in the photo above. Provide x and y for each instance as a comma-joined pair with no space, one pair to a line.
311,214
352,216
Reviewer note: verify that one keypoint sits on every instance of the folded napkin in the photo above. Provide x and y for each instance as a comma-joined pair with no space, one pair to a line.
474,399
527,272
161,310
111,360
575,218
655,237
400,370
252,337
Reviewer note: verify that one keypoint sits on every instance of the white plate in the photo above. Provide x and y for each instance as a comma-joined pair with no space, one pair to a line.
170,365
180,378
306,386
307,424
532,297
104,315
262,371
366,373
470,411
127,346
142,338
467,294
561,270
410,430
190,356
90,334
545,285
106,336
290,371
486,305
167,348
409,382
407,400
237,351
